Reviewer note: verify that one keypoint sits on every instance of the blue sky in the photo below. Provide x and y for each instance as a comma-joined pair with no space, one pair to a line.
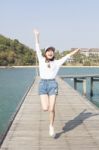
62,23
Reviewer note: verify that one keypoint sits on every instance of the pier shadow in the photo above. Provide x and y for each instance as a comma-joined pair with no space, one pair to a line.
78,120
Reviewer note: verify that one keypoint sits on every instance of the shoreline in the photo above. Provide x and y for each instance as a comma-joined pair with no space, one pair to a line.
9,67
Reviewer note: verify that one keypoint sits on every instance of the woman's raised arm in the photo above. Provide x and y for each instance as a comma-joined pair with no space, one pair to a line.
37,48
65,58
73,52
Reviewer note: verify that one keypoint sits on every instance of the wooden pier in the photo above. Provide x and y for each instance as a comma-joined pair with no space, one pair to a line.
76,123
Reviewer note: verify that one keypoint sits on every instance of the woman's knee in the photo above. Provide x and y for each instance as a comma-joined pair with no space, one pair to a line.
51,110
45,108
44,102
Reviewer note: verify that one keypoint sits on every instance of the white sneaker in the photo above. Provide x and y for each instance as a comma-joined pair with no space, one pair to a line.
51,131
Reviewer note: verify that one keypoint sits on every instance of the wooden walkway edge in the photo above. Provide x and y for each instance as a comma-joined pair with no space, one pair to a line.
76,123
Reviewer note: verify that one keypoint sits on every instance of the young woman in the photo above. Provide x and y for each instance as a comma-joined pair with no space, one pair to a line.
48,87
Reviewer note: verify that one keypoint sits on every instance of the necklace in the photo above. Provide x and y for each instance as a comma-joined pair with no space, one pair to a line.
48,64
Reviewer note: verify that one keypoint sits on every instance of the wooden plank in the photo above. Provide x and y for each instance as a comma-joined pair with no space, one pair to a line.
76,123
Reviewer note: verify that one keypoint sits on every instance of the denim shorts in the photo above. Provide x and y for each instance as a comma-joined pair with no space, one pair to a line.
48,86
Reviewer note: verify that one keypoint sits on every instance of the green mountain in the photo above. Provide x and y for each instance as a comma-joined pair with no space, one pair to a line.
12,52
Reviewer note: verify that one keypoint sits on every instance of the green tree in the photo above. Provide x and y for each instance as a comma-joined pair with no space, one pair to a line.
12,52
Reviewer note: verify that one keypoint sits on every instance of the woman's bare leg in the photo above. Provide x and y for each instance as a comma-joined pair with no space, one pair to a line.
52,100
48,103
45,102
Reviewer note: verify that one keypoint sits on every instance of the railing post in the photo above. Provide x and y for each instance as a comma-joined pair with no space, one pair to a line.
84,87
75,83
91,87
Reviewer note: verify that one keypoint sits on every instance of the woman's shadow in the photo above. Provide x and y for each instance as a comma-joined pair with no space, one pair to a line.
75,122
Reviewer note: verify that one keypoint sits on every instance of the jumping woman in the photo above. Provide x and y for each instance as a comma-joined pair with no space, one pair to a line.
48,87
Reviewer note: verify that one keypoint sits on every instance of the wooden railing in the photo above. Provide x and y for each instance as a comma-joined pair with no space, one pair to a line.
82,79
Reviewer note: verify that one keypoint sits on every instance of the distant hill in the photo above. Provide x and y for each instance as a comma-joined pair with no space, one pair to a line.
12,52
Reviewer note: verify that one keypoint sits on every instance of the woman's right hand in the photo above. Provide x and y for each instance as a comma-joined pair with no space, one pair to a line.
36,32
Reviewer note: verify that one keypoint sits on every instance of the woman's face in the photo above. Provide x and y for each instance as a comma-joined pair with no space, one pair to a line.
49,54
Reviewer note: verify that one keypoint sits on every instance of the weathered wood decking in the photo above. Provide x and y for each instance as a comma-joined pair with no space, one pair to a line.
76,123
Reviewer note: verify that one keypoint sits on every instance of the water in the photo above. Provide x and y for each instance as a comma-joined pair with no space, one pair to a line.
15,82
13,85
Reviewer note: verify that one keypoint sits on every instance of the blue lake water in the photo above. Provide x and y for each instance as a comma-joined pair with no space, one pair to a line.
13,85
15,82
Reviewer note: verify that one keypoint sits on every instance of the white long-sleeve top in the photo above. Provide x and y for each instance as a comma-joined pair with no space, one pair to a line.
45,71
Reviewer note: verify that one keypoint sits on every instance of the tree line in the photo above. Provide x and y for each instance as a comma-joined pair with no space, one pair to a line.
14,53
